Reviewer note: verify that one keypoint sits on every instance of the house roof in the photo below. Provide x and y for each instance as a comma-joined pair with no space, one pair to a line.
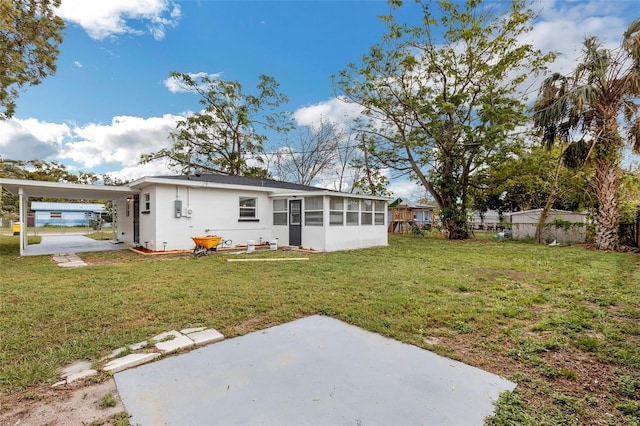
408,203
537,211
242,180
67,207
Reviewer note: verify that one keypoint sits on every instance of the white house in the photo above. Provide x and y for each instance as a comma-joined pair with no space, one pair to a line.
489,220
164,212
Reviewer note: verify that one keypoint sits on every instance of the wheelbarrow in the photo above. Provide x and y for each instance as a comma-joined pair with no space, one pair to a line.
205,244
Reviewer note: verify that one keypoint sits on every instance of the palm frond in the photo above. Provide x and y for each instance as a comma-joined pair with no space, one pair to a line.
634,136
631,41
576,154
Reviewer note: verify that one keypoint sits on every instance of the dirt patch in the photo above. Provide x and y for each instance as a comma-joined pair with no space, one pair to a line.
81,403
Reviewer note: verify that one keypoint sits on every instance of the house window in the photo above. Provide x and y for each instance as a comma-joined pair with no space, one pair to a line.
352,211
366,215
55,215
280,212
381,210
336,211
313,211
147,202
248,208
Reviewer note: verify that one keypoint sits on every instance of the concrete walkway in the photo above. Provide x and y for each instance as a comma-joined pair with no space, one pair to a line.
313,371
69,243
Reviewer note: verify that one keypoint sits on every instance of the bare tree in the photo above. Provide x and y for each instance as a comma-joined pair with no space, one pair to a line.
312,152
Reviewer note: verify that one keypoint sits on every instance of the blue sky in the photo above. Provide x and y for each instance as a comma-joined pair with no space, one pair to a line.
108,102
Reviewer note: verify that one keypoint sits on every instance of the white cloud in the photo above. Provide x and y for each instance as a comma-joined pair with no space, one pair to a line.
77,64
174,85
122,141
335,110
562,27
101,19
90,147
407,189
31,139
154,168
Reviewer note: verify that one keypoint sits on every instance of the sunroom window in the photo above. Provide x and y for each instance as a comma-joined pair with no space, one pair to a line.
353,207
336,211
313,211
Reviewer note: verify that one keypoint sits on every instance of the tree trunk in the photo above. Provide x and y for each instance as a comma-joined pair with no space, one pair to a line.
608,209
553,196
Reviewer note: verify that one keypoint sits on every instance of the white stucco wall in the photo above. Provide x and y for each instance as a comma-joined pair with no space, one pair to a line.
207,211
124,223
216,211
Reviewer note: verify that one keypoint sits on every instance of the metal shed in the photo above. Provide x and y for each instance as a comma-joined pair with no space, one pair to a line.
561,225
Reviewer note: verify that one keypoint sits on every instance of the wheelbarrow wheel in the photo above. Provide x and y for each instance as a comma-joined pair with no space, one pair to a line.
199,251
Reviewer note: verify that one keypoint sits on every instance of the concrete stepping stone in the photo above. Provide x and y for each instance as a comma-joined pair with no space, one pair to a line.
128,361
192,330
180,342
75,368
81,375
205,337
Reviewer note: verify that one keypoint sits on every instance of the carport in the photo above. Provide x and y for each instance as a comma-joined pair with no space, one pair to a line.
26,189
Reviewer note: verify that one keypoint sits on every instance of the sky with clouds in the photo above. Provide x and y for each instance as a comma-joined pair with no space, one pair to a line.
111,99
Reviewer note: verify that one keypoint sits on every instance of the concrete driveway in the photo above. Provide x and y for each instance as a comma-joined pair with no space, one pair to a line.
69,243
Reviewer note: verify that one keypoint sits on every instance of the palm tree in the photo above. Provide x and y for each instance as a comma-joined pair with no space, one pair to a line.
598,102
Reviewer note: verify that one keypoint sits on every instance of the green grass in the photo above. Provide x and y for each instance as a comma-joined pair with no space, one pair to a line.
562,322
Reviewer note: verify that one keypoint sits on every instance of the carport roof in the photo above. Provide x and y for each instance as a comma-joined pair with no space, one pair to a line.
32,188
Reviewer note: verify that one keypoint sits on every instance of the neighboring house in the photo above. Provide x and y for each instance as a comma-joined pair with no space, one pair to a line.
561,226
166,211
65,214
489,220
404,213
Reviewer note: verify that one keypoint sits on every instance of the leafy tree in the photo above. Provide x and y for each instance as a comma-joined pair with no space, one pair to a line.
534,179
630,194
369,178
441,108
313,152
603,88
30,33
224,134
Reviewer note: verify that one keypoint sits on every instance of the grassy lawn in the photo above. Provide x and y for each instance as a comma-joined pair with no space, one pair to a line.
562,322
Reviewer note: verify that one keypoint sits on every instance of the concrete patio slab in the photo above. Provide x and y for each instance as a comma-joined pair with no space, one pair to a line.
313,371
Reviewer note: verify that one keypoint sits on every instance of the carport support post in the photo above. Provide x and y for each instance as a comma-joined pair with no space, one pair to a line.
21,214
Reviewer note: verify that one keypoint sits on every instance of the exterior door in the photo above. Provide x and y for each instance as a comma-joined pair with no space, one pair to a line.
295,223
136,219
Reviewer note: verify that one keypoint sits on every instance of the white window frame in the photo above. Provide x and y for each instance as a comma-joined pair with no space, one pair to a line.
244,209
146,199
366,212
353,211
336,211
380,208
279,212
313,216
